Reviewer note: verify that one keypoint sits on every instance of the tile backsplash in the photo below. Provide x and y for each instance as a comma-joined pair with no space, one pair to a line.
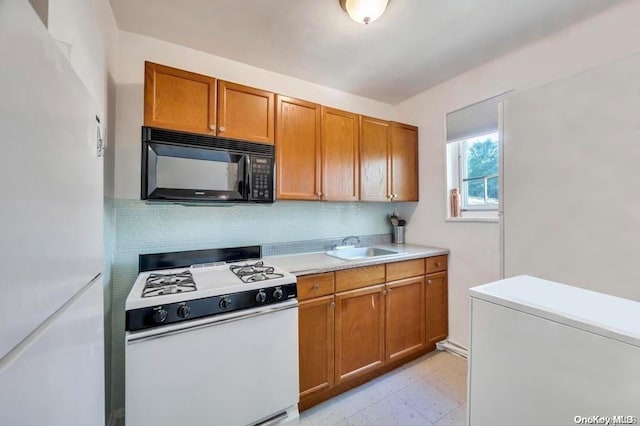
150,228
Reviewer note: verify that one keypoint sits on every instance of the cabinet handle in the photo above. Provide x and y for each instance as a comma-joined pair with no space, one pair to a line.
332,305
437,263
212,127
316,286
221,128
395,196
384,292
319,195
428,281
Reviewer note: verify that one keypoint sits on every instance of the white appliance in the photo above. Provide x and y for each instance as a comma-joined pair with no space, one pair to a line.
544,353
51,316
214,343
571,152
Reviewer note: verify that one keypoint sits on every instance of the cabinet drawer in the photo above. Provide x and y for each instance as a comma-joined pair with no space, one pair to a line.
350,279
317,285
405,269
436,264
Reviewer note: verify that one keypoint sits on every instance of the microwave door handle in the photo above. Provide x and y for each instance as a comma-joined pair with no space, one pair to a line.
248,173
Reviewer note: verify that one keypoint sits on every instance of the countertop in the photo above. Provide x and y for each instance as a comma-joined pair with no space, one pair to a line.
598,313
318,262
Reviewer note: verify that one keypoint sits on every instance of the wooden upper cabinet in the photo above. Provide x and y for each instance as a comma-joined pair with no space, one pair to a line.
298,136
315,344
340,155
179,100
375,141
437,308
359,332
245,113
404,162
405,318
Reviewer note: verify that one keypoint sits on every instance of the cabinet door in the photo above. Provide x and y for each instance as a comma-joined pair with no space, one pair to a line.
298,136
359,332
179,100
437,308
315,340
375,140
404,162
405,318
340,162
245,113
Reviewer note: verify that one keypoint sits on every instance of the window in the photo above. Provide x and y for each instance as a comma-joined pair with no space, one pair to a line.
478,169
473,160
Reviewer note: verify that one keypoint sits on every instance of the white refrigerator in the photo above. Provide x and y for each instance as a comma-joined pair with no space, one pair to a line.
51,302
570,175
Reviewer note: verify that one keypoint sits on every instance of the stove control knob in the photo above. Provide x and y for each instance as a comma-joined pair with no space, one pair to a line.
261,297
159,315
225,303
277,294
184,310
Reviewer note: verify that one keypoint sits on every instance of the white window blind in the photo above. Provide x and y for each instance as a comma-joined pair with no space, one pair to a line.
474,120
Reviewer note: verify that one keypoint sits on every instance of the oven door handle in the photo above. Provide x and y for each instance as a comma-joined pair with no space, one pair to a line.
207,322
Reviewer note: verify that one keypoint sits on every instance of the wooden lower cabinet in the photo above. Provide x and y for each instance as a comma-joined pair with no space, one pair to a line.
405,318
359,332
437,308
368,326
315,343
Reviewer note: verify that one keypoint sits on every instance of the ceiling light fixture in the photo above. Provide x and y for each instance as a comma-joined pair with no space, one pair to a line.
364,11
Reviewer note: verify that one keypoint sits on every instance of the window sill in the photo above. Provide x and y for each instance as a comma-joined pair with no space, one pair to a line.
473,219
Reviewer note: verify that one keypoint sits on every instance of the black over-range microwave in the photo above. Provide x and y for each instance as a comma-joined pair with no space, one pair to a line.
187,167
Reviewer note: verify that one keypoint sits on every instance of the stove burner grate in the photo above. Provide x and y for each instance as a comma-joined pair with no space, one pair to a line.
252,272
161,284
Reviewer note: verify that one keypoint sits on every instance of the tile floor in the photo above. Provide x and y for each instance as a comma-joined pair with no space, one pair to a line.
430,391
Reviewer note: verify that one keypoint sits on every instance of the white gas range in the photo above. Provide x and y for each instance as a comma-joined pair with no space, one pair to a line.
211,343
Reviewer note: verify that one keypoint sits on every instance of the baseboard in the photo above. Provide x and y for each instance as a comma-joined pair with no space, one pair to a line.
116,418
449,346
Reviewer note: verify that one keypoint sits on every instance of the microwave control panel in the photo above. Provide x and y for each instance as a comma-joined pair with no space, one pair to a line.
262,179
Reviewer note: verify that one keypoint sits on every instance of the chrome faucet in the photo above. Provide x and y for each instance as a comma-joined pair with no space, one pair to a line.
346,241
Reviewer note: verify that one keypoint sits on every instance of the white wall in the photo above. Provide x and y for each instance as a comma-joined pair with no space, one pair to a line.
134,49
475,257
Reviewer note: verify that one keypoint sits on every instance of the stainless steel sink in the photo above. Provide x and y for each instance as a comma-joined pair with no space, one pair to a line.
360,253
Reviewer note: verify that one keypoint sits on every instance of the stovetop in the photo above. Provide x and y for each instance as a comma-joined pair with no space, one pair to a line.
182,284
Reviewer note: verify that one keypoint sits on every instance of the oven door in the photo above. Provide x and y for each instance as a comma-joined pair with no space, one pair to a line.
186,173
235,369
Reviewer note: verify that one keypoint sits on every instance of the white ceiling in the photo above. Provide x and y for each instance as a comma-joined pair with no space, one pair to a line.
415,45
